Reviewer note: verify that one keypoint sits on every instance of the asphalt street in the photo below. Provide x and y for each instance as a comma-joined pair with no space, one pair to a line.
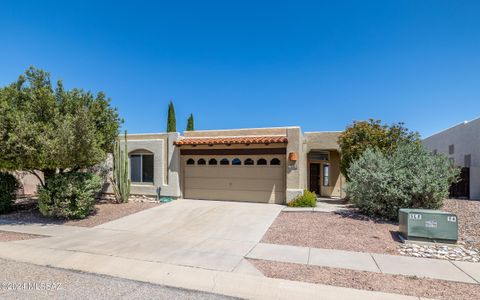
27,281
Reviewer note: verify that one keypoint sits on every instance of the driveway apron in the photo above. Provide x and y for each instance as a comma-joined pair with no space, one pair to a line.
213,235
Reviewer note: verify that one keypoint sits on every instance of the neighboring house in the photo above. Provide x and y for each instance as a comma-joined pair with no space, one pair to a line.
461,143
269,165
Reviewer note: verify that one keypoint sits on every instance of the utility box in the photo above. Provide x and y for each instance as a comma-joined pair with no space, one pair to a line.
428,225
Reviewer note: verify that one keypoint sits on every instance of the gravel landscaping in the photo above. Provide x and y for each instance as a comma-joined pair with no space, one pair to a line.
468,213
105,211
8,236
346,230
398,284
352,231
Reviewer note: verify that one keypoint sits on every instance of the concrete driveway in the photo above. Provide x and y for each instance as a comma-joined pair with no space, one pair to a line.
213,235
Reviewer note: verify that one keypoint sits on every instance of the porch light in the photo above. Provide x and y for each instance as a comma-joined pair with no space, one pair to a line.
292,156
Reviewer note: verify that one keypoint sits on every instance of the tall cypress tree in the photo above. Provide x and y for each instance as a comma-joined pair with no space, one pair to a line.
190,123
171,121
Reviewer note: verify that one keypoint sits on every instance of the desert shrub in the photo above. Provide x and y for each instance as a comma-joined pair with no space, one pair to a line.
69,195
9,184
410,177
307,199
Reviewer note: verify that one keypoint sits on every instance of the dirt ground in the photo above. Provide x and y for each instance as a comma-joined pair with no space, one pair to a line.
104,212
398,284
344,231
468,213
7,236
352,231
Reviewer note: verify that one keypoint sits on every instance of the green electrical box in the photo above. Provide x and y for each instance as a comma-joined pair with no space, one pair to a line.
428,225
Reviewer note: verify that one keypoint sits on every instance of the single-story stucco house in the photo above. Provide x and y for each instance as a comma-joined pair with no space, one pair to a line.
268,165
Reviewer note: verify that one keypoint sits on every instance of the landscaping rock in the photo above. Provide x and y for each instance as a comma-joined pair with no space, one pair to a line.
142,198
457,252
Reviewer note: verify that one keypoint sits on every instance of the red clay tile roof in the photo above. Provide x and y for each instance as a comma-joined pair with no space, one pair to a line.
231,140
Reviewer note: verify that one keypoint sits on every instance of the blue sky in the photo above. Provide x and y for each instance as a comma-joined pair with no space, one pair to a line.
236,64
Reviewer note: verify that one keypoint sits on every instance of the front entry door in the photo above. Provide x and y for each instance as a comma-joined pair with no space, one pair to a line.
315,178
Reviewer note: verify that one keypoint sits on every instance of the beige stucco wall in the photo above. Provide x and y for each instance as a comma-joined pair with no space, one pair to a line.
238,132
294,176
166,163
327,140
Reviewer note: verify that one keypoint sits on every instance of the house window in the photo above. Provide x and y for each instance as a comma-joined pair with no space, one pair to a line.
249,162
468,161
261,162
141,168
236,162
326,174
451,149
317,155
224,162
212,161
201,161
275,162
190,161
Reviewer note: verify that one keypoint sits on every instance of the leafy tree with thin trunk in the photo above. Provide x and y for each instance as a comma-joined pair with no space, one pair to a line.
190,123
171,121
361,135
53,129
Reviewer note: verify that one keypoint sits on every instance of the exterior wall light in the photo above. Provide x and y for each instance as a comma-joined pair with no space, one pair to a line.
292,156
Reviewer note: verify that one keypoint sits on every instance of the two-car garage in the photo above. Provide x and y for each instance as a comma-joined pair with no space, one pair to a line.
251,169
252,178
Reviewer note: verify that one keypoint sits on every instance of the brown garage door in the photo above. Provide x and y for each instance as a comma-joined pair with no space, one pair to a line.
252,178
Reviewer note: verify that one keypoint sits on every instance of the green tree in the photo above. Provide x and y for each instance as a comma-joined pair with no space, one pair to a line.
53,129
362,135
408,177
9,185
190,123
171,121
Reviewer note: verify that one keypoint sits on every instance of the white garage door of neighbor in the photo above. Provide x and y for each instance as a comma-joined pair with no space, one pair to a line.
254,178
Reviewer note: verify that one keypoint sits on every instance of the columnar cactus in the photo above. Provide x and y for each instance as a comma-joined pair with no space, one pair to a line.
120,179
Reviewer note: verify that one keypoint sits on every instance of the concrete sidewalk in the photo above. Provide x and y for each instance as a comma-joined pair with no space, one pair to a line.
218,282
360,261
